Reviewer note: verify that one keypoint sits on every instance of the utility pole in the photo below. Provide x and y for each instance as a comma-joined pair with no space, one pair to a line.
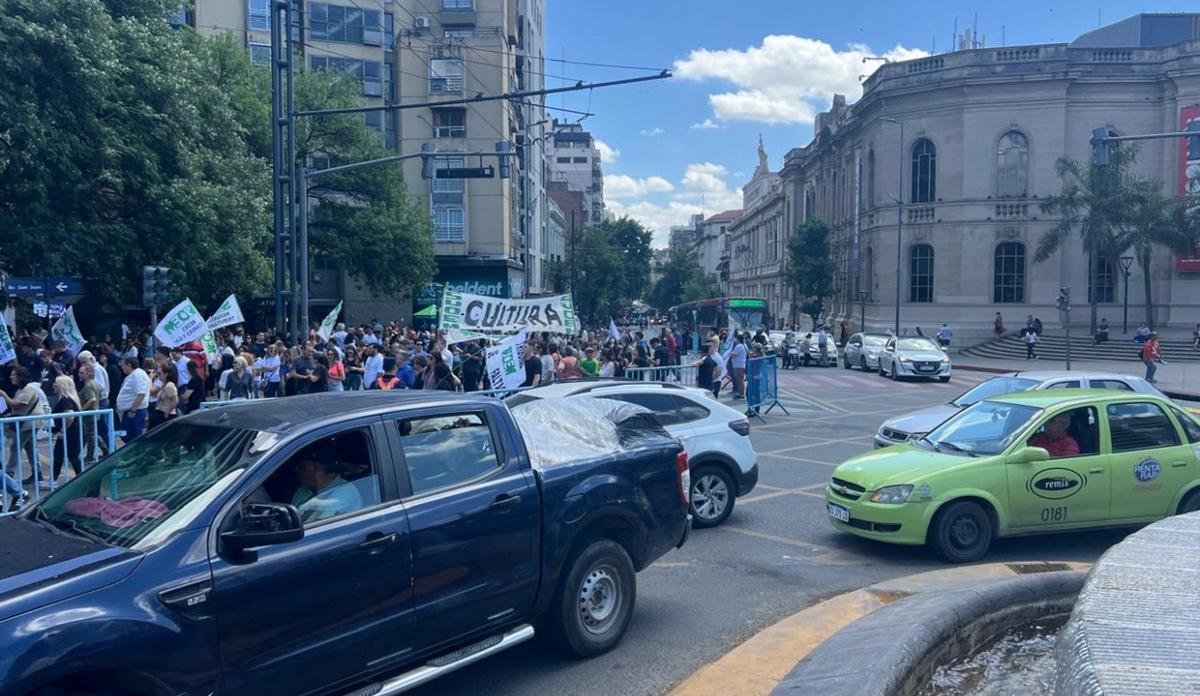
283,150
1064,305
1126,262
572,251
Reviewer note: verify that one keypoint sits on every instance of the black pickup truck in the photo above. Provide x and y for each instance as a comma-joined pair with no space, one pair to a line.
358,543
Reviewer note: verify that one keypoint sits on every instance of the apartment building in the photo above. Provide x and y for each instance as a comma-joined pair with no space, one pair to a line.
575,162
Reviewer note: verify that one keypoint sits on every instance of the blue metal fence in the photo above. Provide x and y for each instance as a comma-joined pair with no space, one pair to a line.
23,438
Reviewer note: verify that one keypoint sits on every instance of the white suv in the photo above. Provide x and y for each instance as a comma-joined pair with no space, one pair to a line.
716,437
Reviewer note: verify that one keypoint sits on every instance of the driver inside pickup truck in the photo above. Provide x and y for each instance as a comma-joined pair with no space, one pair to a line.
323,493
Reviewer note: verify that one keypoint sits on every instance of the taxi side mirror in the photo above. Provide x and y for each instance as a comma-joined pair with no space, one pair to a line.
1029,455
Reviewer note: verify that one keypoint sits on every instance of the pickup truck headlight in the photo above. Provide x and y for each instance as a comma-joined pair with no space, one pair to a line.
892,495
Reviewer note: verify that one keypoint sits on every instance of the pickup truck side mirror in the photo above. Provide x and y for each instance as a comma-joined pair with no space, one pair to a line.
264,524
1029,455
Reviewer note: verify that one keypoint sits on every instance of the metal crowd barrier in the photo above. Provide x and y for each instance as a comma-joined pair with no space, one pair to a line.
762,386
22,439
673,374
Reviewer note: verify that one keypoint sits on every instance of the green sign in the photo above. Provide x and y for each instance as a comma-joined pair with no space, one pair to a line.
746,303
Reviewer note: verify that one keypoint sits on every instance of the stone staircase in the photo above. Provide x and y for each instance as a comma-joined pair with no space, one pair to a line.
1053,347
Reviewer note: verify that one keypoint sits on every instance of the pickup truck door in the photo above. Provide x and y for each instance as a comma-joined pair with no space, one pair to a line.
475,517
310,615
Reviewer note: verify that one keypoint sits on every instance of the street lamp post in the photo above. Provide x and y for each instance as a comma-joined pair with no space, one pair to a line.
1126,263
862,310
899,213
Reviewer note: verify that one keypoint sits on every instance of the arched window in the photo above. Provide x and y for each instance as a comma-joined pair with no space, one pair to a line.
1012,166
920,273
1103,281
924,172
1008,279
869,199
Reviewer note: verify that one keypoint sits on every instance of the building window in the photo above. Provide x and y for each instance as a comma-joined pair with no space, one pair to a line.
1103,281
1012,166
450,123
563,160
345,24
869,201
580,160
389,31
258,15
448,224
1008,280
920,273
867,282
445,76
374,120
459,32
368,72
260,54
457,4
924,172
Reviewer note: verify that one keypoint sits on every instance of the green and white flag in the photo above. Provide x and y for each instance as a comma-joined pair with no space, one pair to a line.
210,345
228,314
505,362
465,317
183,324
66,329
7,351
328,323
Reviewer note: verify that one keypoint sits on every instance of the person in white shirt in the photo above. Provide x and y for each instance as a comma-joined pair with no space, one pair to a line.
373,365
339,334
133,399
181,363
268,368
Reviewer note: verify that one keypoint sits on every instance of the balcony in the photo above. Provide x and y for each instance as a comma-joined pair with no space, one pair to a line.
920,214
1012,211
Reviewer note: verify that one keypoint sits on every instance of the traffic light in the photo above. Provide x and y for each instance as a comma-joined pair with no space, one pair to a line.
156,285
504,150
428,161
1101,148
1193,140
1063,303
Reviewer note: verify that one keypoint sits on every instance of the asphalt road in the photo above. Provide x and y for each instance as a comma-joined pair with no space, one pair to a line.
776,554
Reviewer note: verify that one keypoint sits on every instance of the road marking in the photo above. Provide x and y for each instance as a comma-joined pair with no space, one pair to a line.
801,459
780,492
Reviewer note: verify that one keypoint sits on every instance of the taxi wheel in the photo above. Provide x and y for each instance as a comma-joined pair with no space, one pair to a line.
961,532
1190,504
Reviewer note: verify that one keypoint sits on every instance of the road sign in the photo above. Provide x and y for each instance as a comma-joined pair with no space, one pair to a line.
56,286
23,287
466,173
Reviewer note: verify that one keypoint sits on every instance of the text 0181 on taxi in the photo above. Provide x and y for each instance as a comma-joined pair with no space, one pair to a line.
1024,463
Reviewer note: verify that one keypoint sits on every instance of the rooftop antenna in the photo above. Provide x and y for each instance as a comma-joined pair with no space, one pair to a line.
954,38
975,32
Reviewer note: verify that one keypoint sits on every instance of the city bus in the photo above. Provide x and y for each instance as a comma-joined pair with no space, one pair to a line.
734,313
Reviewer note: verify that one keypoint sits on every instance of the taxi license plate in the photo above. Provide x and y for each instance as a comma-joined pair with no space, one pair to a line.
838,512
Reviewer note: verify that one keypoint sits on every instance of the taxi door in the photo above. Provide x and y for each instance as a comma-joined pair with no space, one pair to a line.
1151,461
1069,488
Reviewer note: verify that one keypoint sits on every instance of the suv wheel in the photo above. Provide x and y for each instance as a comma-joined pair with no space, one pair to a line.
961,532
712,496
595,599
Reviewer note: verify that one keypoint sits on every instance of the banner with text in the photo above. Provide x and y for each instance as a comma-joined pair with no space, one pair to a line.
228,314
183,324
506,362
7,351
66,330
465,317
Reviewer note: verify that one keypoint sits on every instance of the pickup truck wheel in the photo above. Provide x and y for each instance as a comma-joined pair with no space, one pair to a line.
962,532
595,600
711,495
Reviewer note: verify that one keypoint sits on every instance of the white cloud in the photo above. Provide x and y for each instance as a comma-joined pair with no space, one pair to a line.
622,186
706,124
608,154
651,132
785,80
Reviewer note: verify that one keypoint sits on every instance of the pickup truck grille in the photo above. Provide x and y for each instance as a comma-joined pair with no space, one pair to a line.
845,489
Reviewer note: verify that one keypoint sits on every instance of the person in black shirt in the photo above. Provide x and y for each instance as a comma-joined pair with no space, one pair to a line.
662,357
193,391
302,369
319,378
472,366
708,368
67,435
533,366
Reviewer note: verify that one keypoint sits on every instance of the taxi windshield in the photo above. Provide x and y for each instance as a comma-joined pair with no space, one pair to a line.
986,428
153,484
996,386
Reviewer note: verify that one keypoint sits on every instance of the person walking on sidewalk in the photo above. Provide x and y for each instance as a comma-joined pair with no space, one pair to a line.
1031,339
1151,356
998,325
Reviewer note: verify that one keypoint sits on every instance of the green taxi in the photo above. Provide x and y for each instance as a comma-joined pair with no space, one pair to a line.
1024,463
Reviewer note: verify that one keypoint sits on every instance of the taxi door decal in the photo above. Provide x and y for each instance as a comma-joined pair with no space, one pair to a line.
1056,483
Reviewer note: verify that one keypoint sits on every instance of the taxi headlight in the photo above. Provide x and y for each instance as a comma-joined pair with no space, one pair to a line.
892,495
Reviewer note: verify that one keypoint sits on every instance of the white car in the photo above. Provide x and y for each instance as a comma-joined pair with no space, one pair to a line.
899,429
717,438
914,356
863,351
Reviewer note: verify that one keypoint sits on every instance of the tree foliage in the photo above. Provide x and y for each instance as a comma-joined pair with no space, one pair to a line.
682,280
809,267
632,242
609,265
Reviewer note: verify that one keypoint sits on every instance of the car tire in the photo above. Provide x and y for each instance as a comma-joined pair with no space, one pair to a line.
863,363
845,363
961,532
895,373
1190,503
882,372
595,599
944,380
715,490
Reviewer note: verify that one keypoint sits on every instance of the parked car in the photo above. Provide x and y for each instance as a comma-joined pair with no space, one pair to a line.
1024,463
863,351
914,356
716,437
900,428
333,542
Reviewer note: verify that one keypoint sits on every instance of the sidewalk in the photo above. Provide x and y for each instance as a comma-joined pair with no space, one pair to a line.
1179,377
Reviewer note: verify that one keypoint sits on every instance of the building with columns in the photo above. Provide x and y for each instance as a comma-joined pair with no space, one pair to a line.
758,242
969,141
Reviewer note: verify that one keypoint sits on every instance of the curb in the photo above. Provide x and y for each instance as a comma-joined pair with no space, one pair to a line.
758,665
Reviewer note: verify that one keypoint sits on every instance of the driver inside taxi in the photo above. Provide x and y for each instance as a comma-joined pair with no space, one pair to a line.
1055,439
322,493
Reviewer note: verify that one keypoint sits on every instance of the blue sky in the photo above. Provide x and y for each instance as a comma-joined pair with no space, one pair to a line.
746,67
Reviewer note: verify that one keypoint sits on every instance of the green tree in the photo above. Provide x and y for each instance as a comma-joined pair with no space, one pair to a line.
683,280
595,294
632,242
1153,220
809,267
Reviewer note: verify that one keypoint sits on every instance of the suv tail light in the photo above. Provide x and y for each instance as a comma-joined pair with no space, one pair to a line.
684,472
741,427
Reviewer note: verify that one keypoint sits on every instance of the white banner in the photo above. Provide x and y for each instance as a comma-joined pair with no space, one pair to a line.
465,317
329,322
228,314
66,330
7,350
183,324
505,362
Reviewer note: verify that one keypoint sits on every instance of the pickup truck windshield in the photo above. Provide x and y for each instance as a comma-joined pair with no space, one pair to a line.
154,484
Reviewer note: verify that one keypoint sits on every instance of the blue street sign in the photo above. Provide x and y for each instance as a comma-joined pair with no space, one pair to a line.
37,287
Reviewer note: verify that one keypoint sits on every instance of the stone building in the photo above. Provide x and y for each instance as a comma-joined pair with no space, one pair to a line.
969,141
757,243
713,246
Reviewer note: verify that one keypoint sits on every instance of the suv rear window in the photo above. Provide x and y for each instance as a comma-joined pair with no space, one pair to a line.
663,405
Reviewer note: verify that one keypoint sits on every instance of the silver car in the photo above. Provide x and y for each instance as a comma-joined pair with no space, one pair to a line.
899,429
863,350
914,356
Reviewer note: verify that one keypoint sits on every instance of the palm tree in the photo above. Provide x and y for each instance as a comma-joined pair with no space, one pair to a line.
1095,203
1154,219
